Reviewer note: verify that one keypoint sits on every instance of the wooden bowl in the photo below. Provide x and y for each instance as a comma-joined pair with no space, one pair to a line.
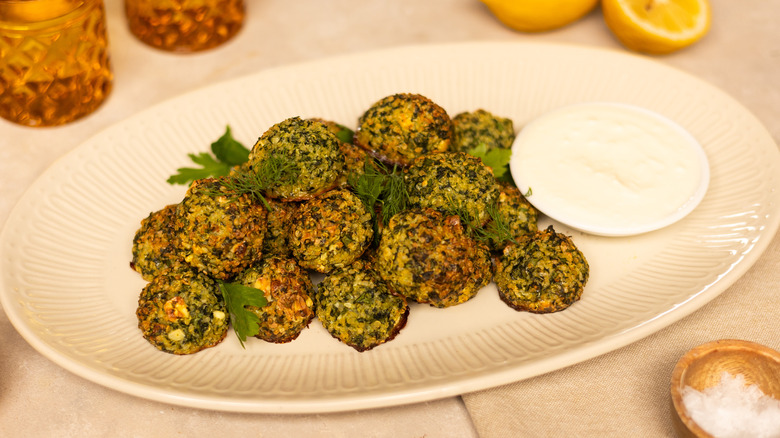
702,366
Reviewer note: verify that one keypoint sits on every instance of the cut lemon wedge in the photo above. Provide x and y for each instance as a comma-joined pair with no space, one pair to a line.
657,26
539,15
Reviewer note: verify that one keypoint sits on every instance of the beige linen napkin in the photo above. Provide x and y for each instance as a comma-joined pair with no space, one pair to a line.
625,393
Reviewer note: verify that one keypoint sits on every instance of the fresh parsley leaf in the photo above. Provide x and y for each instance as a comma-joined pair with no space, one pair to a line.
227,152
237,297
345,134
209,167
497,159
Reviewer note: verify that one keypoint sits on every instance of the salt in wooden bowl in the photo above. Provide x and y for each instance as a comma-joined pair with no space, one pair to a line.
703,366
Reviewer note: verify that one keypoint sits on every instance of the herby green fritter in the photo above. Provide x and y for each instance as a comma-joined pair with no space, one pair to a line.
354,156
156,245
518,214
277,235
330,231
221,233
481,129
182,312
544,272
401,127
452,181
356,307
311,151
288,290
428,257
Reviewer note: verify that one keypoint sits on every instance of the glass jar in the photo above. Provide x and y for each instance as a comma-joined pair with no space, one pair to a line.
54,60
184,25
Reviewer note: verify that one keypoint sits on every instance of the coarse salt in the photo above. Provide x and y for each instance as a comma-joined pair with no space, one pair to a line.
733,409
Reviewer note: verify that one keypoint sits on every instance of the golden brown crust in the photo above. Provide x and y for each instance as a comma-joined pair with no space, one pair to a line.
221,233
427,257
330,231
356,307
401,127
289,292
543,273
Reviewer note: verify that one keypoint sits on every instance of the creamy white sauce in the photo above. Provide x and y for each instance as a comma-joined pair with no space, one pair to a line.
609,169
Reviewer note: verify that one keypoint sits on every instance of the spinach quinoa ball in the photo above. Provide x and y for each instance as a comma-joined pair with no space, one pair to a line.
401,127
428,257
289,292
452,181
330,231
310,152
354,157
277,234
181,312
543,273
156,246
356,307
481,129
221,232
517,213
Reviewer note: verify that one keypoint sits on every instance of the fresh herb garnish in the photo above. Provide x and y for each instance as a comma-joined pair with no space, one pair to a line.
380,187
272,171
237,296
497,159
344,134
496,230
226,153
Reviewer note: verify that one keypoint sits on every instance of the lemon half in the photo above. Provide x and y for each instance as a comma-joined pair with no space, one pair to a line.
657,26
539,15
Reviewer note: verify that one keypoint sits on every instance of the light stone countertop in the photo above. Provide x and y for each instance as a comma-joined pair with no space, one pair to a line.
741,56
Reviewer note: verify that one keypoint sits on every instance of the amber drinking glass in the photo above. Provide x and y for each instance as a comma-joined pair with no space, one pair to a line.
184,25
54,62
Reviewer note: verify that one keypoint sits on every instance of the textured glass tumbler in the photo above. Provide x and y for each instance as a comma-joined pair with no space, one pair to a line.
184,25
54,62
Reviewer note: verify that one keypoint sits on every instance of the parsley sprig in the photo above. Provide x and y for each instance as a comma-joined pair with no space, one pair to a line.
496,159
225,153
237,296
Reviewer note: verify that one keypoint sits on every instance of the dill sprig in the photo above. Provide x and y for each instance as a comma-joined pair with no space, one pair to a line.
496,230
380,189
395,198
272,172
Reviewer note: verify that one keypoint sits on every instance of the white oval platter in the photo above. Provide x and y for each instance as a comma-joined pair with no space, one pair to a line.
67,288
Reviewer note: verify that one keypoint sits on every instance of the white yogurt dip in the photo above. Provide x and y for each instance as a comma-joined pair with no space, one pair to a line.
609,168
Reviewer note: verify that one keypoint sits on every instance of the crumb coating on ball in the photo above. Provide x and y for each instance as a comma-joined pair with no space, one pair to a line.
289,292
156,245
356,307
330,231
428,257
543,273
401,127
221,233
312,149
481,129
182,312
452,181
